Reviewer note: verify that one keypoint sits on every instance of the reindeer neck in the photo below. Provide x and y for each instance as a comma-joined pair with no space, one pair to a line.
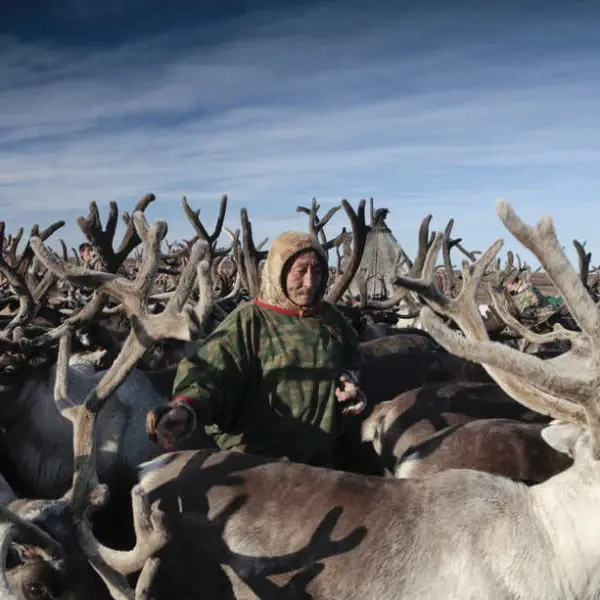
20,399
567,506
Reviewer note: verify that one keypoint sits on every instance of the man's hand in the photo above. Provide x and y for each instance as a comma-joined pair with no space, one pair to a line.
169,423
348,392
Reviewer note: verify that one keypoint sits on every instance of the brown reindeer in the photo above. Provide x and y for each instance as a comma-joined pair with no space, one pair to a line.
426,424
501,446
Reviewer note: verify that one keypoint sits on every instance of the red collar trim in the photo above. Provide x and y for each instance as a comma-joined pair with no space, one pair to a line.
286,311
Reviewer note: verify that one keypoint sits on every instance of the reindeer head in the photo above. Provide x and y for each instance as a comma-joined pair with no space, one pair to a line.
46,563
570,439
373,426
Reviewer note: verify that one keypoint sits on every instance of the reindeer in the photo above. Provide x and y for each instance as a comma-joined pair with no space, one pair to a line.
462,425
425,425
504,447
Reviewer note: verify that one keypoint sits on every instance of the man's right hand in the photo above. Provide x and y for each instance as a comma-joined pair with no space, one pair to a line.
169,423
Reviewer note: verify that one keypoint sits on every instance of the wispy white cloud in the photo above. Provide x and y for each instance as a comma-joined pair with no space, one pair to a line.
427,112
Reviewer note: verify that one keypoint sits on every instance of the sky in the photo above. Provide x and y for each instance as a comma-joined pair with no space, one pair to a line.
429,107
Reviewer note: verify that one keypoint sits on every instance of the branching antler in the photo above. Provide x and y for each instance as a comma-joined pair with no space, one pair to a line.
176,321
9,248
500,306
359,238
541,389
29,291
201,233
27,255
316,226
249,257
585,259
447,245
19,287
102,239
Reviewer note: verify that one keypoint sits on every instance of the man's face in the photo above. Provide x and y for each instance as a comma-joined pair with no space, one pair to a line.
303,281
514,287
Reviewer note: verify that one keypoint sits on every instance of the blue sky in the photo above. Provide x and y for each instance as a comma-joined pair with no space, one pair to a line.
428,107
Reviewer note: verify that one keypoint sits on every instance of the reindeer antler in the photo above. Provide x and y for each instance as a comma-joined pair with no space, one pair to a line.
359,238
316,226
29,291
176,321
201,233
102,239
464,311
248,256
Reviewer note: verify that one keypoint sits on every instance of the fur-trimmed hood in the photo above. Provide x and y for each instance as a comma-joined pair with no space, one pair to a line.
283,250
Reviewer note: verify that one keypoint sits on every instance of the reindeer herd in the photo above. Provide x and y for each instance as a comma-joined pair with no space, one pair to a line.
473,474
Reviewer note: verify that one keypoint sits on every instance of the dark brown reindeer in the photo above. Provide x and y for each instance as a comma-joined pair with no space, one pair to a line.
387,374
406,339
506,447
461,425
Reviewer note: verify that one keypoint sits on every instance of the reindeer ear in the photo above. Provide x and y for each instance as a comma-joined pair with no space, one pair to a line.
562,436
372,426
13,557
368,429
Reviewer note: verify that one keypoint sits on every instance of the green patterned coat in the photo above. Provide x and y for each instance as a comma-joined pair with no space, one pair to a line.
264,380
530,297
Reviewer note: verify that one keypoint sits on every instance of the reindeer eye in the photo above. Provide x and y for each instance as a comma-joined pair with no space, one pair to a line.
37,591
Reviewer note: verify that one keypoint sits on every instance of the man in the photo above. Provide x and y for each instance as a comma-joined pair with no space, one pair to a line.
274,378
530,301
91,260
85,251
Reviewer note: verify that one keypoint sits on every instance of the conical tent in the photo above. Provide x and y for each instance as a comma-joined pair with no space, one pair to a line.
383,260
